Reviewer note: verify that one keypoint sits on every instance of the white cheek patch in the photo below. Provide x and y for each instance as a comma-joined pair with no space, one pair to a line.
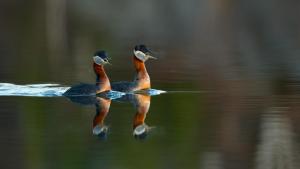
98,60
140,55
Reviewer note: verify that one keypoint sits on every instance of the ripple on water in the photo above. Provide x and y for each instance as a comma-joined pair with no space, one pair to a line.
52,90
38,90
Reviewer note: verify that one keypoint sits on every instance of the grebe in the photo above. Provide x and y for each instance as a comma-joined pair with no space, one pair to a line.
102,81
142,79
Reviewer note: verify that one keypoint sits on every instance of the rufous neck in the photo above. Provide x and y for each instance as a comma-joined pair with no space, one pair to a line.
139,65
102,80
142,77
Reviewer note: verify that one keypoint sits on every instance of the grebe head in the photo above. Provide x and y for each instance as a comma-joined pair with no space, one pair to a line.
142,53
101,57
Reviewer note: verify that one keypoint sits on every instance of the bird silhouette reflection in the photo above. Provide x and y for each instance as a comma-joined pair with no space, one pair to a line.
140,102
102,108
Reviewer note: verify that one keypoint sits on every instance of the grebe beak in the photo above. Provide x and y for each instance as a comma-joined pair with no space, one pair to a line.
151,57
107,60
150,54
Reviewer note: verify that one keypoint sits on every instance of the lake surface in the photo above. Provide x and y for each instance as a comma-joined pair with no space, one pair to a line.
185,129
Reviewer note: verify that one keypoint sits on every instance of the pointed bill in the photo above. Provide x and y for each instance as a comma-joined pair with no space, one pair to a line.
151,57
150,54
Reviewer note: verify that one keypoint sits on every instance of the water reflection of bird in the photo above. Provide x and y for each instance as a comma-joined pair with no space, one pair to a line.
142,79
102,109
102,105
102,81
142,105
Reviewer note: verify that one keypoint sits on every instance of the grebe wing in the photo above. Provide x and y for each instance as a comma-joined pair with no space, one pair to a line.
122,86
81,90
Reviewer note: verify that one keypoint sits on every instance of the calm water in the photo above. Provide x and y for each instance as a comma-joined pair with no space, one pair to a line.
185,129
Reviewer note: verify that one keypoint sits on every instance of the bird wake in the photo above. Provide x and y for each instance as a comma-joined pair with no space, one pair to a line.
37,90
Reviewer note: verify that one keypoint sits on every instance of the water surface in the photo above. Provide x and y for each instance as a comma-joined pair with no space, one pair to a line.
186,129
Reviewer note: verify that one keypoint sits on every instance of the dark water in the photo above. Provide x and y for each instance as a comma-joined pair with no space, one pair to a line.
56,133
200,129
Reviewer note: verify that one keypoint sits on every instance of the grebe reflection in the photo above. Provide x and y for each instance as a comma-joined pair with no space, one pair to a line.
142,105
102,109
140,102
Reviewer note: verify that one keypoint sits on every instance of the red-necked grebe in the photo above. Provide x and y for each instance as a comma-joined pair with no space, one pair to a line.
142,79
102,81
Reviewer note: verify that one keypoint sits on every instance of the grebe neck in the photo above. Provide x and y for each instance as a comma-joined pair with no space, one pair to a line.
142,78
102,81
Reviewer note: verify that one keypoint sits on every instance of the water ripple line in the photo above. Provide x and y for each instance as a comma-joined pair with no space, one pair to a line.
37,90
56,90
